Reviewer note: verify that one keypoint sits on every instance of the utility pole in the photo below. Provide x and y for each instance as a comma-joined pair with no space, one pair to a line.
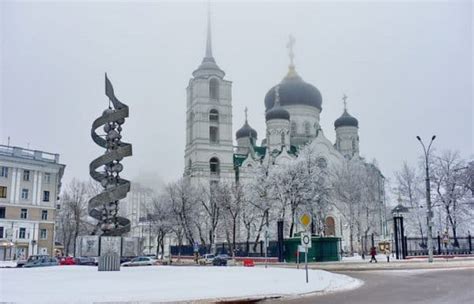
429,216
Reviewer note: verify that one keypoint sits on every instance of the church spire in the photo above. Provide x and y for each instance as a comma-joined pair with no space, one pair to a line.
208,56
208,65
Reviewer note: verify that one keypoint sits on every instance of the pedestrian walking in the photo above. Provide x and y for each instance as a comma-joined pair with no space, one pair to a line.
373,252
387,254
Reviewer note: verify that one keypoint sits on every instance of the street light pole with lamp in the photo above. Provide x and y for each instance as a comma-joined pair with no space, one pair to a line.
428,198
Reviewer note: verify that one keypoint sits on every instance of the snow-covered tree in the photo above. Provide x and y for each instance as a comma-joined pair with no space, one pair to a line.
450,178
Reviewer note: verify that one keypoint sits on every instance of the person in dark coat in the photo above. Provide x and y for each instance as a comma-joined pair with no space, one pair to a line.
373,252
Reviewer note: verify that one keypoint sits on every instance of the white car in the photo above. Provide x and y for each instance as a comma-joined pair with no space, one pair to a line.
140,261
206,259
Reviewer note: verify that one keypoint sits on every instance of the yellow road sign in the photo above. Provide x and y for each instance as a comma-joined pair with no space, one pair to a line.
305,220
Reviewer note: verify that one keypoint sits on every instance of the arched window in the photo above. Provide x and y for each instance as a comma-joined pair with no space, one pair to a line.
214,166
213,115
213,135
307,129
190,163
293,128
353,144
214,88
282,138
330,226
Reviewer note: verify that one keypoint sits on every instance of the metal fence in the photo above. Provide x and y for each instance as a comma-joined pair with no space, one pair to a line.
241,249
418,246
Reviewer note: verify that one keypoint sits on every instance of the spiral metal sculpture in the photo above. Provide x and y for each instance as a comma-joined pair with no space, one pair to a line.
104,206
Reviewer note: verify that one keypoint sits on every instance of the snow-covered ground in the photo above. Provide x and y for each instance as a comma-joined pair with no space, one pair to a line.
84,284
7,264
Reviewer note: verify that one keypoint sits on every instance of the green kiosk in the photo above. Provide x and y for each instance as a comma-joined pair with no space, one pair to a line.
323,249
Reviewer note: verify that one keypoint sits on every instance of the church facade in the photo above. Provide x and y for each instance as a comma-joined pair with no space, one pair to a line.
292,114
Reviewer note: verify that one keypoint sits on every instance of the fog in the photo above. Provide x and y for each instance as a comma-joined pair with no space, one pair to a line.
405,66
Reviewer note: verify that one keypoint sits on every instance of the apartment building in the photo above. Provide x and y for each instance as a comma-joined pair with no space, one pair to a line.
30,182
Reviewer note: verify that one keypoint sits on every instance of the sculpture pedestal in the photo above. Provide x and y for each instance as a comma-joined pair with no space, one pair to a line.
108,249
110,252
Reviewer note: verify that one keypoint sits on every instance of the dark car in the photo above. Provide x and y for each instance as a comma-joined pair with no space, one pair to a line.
220,260
42,262
85,261
31,258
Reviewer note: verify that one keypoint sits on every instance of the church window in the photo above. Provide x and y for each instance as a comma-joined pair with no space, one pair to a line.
214,88
214,166
353,144
282,138
213,115
214,135
293,128
307,129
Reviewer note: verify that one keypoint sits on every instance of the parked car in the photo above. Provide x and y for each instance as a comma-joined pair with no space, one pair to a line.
206,259
42,262
85,261
67,261
126,259
22,261
221,260
140,261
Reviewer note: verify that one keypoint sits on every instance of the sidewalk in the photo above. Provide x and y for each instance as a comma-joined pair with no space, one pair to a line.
364,265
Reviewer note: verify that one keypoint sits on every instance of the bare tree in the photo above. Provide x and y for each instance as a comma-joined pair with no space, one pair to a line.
181,197
348,193
72,217
450,178
231,197
409,185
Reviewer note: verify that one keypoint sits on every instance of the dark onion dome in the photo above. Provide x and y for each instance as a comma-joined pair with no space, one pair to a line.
294,91
346,120
277,113
246,131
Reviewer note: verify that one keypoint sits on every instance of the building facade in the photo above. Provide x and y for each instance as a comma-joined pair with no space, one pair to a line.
30,182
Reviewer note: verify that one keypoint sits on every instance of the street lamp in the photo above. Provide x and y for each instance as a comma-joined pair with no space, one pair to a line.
428,198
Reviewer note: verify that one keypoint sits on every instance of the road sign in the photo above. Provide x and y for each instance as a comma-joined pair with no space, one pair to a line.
305,220
306,239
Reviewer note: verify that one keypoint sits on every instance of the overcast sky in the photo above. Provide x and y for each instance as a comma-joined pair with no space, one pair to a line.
406,67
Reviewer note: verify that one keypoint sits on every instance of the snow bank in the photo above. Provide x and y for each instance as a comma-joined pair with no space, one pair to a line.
83,284
6,264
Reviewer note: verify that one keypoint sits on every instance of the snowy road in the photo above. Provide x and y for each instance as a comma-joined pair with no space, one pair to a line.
402,286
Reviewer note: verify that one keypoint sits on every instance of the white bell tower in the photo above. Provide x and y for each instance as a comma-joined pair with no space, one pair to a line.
209,148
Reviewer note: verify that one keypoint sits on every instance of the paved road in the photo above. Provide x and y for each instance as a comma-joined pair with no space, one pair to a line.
421,287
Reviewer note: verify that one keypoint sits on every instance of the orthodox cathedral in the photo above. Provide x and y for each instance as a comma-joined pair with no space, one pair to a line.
293,108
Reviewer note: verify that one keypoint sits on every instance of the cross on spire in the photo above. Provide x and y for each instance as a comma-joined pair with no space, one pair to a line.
246,113
289,45
344,98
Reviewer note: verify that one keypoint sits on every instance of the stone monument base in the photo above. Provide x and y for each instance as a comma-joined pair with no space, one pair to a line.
109,249
109,262
110,252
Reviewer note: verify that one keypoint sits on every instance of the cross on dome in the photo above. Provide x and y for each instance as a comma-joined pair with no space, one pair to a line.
289,45
344,98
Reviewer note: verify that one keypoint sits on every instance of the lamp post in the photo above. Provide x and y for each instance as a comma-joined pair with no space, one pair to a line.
428,198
